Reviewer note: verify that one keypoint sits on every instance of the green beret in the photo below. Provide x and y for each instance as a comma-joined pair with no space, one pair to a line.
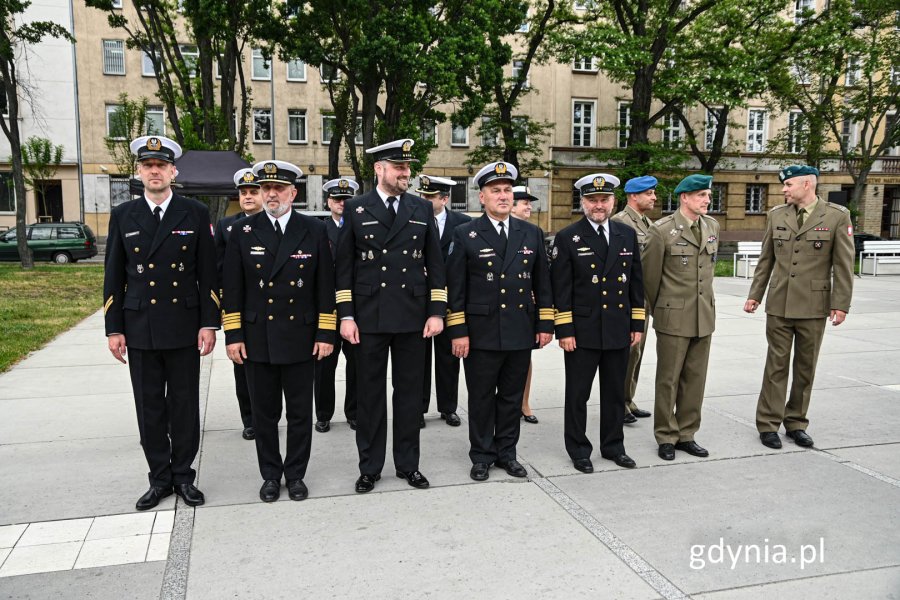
692,183
797,171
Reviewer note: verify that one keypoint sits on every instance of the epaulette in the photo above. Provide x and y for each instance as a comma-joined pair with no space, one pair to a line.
779,207
839,207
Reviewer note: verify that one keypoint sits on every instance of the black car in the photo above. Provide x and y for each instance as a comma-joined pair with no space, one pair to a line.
58,242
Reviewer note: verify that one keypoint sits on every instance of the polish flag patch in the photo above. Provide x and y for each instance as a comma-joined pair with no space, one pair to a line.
850,230
212,231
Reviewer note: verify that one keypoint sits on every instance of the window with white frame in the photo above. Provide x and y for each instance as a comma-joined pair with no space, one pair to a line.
583,122
490,136
429,131
262,126
116,127
147,68
585,64
890,128
459,194
524,27
7,192
713,115
673,131
328,125
191,54
800,74
155,121
718,197
853,74
802,10
459,136
296,126
796,132
262,68
119,190
624,119
117,3
756,130
520,129
576,200
113,57
517,67
296,70
755,199
848,134
328,73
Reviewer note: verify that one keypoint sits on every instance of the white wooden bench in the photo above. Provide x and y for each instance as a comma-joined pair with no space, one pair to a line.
745,258
880,258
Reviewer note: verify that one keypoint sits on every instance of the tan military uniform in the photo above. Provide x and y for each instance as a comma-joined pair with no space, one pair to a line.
678,281
808,272
633,219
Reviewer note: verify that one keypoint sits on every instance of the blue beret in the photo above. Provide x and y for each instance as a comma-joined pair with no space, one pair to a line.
692,183
797,171
640,184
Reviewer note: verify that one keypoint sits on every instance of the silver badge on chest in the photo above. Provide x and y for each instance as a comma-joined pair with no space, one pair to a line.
490,276
140,268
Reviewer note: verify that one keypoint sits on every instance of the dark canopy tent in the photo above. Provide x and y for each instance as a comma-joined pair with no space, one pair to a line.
204,173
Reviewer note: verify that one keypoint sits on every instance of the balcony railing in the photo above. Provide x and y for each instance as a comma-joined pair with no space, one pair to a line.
888,165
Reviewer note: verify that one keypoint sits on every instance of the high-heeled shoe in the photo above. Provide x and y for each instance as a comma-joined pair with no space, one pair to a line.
530,419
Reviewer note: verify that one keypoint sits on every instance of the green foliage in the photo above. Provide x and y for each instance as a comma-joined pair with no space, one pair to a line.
127,123
40,160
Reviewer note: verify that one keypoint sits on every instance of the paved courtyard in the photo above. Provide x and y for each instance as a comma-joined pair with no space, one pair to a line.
748,522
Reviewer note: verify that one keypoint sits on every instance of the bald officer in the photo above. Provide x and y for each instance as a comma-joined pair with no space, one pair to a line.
279,317
250,201
162,307
391,297
641,195
679,265
806,265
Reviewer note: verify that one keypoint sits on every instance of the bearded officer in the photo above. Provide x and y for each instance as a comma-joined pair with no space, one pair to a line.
446,366
391,297
806,265
641,195
279,316
599,298
162,306
250,201
679,264
338,191
501,307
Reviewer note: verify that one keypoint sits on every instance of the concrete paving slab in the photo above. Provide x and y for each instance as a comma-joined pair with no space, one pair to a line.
395,541
159,546
63,381
790,499
91,352
116,526
163,522
60,418
878,336
55,532
10,534
25,560
872,583
136,582
114,551
884,458
876,368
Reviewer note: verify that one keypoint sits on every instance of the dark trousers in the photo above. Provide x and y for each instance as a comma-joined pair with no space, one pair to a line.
242,391
496,383
582,365
324,387
166,386
267,384
407,353
446,375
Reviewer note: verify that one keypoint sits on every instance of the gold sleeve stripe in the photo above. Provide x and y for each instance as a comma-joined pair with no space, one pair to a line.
638,314
343,296
109,303
327,321
231,325
438,295
455,318
546,314
562,318
215,298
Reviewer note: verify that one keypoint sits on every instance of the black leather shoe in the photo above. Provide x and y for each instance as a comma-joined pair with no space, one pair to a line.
152,497
584,465
422,422
629,418
352,424
323,426
297,489
366,483
770,439
692,448
190,494
452,419
414,478
641,413
270,490
479,471
800,438
530,419
623,460
512,467
666,451
249,433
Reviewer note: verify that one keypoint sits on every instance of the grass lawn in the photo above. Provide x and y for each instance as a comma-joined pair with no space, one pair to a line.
725,267
38,305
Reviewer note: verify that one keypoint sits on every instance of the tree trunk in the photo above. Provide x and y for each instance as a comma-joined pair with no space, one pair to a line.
11,130
642,97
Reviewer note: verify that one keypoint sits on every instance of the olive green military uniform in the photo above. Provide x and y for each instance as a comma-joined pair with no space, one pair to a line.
641,226
808,271
678,282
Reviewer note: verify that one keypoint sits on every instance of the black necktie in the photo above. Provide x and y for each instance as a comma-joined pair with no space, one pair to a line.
157,212
278,232
604,245
503,238
392,210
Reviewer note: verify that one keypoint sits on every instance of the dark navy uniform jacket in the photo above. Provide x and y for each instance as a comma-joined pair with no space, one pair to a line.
390,279
160,284
454,219
223,230
599,296
279,297
499,300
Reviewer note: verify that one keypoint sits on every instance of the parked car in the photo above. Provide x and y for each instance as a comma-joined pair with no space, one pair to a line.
58,242
859,238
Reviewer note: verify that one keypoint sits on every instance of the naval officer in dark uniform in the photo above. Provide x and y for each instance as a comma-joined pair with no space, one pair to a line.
599,296
446,366
339,191
501,307
279,317
391,297
162,306
250,201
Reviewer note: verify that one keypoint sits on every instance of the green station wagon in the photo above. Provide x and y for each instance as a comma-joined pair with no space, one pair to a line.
58,242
